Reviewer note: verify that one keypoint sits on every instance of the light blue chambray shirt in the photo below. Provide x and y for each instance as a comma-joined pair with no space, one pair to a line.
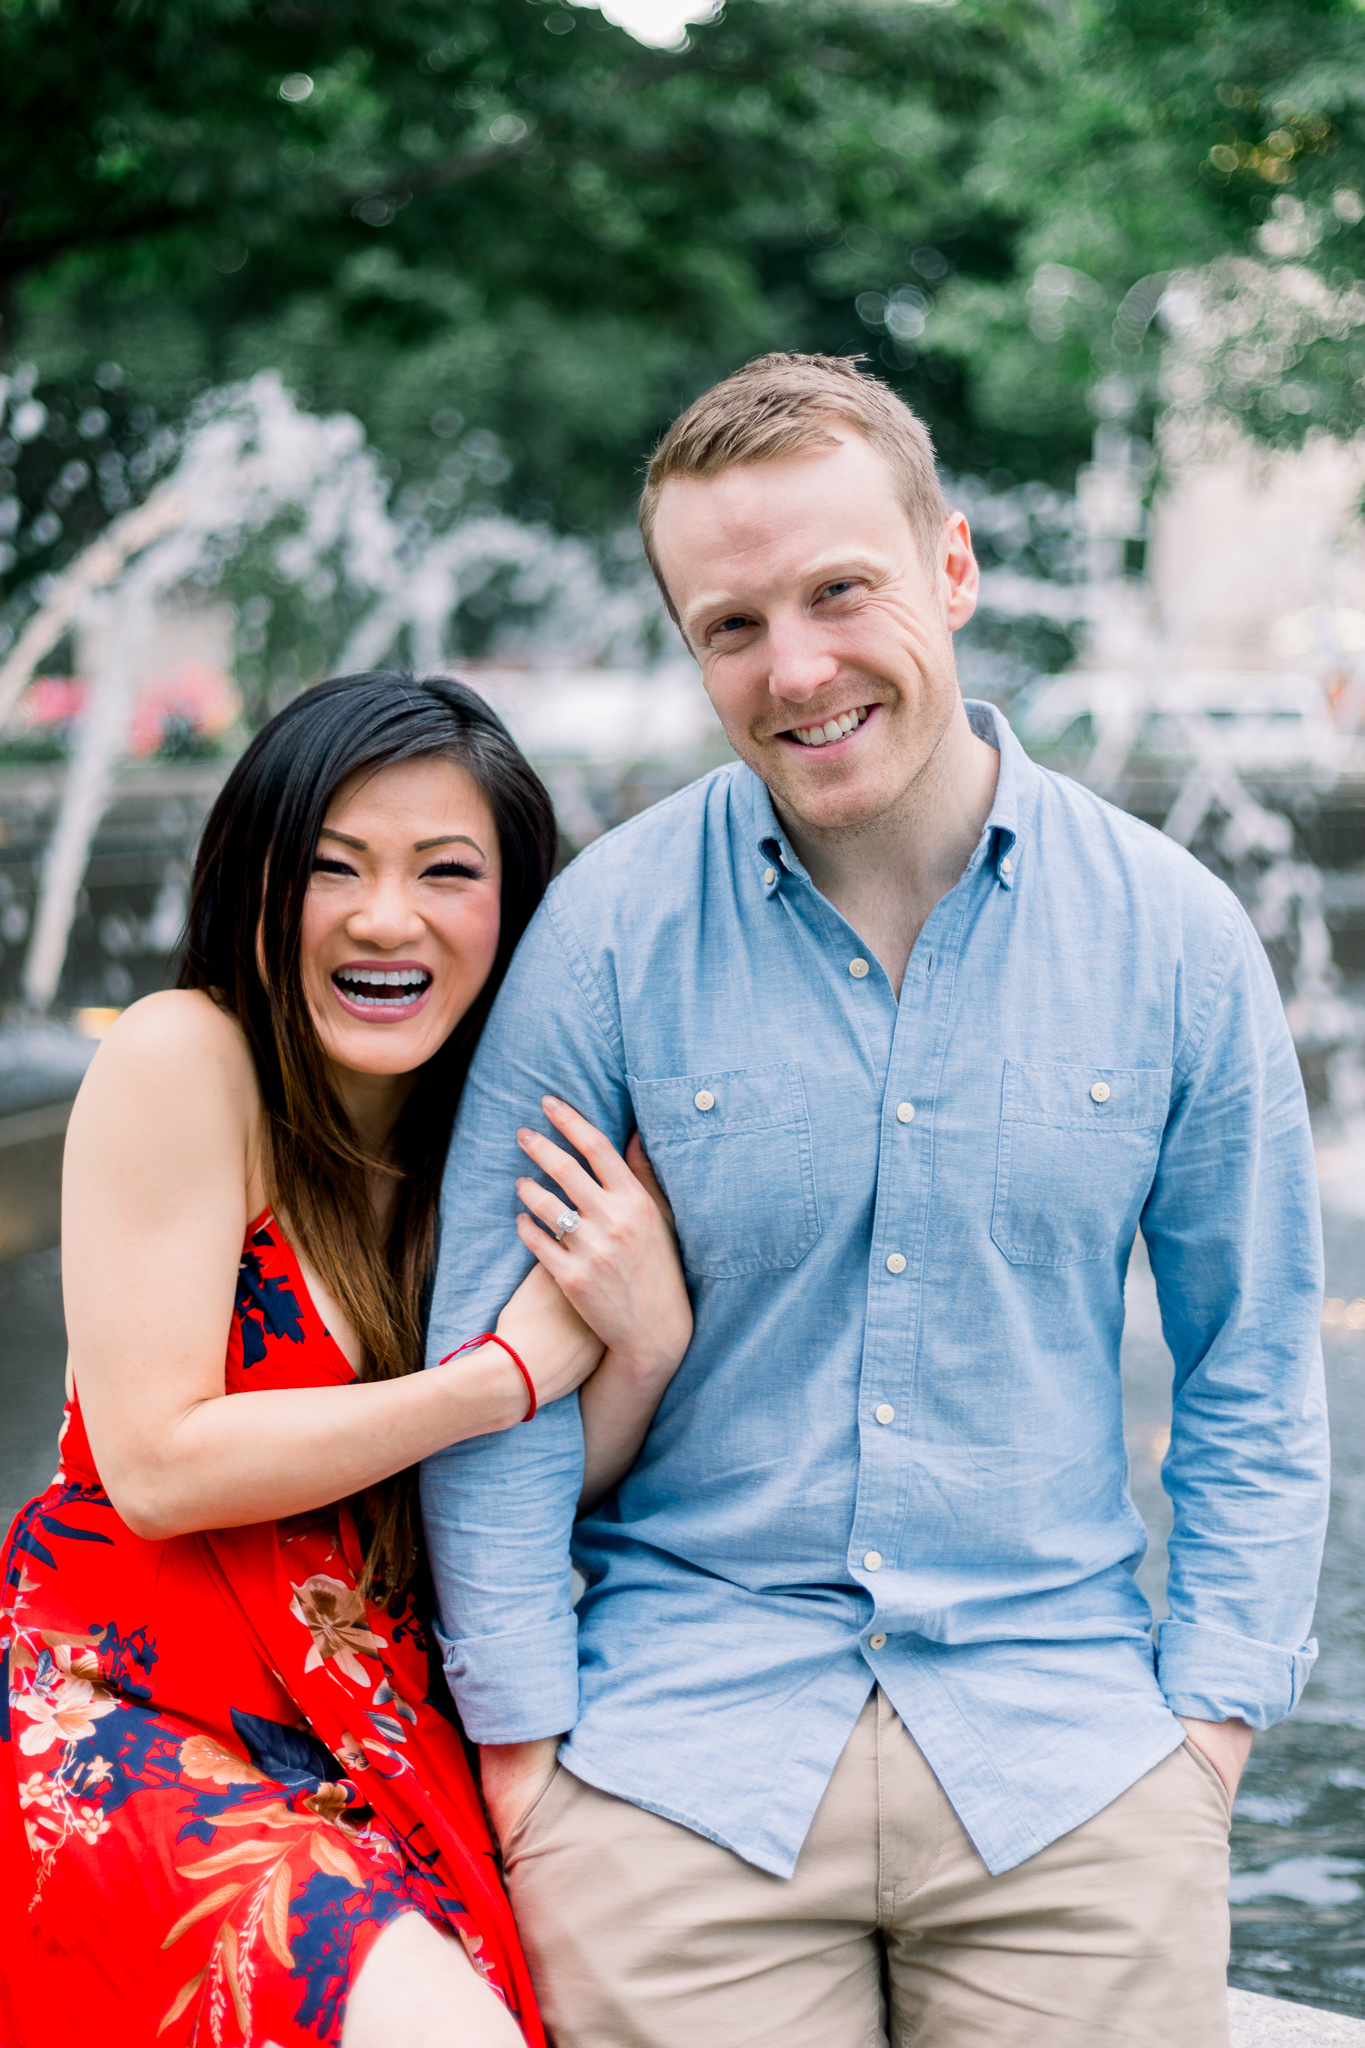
894,1451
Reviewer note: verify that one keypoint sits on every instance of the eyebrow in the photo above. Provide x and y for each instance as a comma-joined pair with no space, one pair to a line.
450,839
418,845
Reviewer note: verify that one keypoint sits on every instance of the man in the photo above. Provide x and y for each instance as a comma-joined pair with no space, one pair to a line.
869,1736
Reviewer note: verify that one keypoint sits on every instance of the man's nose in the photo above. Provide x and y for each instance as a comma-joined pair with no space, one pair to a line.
800,662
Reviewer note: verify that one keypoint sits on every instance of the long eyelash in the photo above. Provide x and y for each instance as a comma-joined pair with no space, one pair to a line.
455,867
331,867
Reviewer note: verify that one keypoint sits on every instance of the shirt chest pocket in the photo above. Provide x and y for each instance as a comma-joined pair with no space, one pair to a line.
1078,1149
733,1153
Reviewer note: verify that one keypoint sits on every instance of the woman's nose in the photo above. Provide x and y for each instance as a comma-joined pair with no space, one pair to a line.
387,916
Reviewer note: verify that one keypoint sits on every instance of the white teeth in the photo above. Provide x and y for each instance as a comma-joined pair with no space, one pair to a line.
408,983
833,729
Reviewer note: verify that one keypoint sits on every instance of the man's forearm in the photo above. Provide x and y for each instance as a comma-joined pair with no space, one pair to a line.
1226,1744
514,1774
498,1514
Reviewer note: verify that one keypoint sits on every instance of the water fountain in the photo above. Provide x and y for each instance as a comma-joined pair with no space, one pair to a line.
1185,711
253,464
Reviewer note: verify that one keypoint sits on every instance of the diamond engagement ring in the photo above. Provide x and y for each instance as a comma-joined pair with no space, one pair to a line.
567,1223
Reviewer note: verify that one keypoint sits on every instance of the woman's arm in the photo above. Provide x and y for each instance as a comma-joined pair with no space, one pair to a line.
622,1272
617,1405
155,1188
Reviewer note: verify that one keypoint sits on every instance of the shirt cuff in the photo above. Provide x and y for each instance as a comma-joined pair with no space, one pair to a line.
517,1687
1208,1674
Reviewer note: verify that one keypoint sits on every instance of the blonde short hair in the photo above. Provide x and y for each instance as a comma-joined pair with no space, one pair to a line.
780,404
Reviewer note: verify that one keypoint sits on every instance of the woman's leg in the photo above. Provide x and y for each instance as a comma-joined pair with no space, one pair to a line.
418,1989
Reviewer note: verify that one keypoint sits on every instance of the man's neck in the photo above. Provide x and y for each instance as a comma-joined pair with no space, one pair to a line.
886,876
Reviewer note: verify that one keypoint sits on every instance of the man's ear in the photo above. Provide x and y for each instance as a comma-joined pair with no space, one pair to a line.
957,566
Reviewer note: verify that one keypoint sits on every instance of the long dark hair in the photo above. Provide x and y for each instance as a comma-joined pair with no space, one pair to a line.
251,876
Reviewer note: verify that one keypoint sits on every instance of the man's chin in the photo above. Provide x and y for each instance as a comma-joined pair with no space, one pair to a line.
848,806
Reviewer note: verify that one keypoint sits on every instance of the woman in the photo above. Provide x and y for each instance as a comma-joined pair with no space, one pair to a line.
231,1810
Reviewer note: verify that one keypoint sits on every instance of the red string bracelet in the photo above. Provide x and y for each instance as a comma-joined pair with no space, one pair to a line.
492,1337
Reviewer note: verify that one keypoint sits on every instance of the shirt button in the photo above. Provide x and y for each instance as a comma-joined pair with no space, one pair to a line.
858,969
886,1413
769,876
704,1099
1007,866
877,1642
905,1112
1099,1091
896,1263
872,1560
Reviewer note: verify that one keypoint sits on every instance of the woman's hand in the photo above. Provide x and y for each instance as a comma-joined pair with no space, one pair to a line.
619,1267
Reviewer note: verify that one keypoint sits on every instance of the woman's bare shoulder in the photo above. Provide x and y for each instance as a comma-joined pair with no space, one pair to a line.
177,1054
158,1165
176,1023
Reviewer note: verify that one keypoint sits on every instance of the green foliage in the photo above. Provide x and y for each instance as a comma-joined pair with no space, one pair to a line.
514,242
557,235
1167,135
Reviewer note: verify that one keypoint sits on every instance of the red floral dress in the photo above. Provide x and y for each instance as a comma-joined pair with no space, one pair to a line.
222,1772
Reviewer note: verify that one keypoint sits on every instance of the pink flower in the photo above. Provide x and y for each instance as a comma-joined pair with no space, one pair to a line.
91,1824
75,1660
204,698
68,1716
53,700
204,1758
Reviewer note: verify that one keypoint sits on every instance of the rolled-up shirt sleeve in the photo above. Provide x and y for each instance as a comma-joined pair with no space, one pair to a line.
498,1510
1233,1228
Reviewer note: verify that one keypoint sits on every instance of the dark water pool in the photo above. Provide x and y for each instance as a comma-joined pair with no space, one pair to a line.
1298,1852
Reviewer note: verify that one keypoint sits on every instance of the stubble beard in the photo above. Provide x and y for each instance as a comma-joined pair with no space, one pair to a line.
919,749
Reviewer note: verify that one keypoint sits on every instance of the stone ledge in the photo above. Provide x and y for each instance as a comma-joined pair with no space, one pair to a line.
1274,2023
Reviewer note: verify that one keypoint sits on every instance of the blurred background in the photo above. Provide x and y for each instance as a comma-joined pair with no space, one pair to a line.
333,336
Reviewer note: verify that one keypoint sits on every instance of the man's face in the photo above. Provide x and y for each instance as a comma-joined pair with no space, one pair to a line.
806,600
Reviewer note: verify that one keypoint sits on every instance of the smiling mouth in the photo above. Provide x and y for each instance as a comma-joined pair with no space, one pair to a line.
832,730
382,991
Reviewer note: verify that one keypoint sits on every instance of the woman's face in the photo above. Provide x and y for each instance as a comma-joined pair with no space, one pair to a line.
400,923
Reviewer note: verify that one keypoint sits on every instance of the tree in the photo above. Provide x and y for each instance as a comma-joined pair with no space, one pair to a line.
1169,134
514,242
523,222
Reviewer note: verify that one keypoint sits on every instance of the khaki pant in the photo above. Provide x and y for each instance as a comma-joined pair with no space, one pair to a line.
642,1934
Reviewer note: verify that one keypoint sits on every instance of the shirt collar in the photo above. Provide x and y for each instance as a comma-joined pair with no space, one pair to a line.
1016,792
776,854
1016,796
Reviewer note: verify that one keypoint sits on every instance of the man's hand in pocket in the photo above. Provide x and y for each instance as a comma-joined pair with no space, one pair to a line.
1226,1744
514,1774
